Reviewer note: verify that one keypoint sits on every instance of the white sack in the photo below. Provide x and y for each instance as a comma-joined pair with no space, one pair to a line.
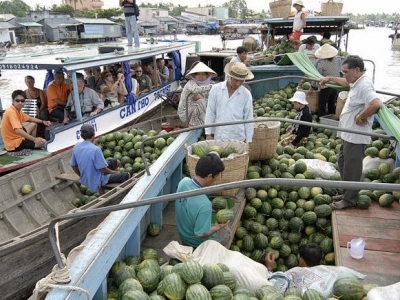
390,292
320,278
322,168
374,162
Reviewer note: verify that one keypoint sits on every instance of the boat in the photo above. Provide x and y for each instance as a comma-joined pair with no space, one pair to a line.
62,136
25,251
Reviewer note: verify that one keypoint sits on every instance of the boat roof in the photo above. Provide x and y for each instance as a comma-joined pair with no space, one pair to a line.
314,24
78,58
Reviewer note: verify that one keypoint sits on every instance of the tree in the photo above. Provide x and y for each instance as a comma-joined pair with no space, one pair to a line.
73,3
237,8
16,7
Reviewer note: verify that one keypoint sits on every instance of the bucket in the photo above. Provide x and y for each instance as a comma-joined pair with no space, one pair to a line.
356,248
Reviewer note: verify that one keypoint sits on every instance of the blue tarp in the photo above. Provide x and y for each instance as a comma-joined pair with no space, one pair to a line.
176,58
49,78
130,98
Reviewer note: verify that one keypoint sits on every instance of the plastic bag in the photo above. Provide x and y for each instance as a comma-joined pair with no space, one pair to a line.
374,162
390,292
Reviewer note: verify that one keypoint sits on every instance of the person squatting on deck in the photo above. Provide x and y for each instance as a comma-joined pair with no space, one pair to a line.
358,113
297,134
193,214
230,101
194,96
299,22
88,162
131,12
19,129
89,100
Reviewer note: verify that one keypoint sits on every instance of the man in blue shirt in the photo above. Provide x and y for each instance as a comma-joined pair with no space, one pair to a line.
88,162
193,214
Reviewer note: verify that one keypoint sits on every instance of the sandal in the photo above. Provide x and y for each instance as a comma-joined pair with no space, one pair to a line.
342,204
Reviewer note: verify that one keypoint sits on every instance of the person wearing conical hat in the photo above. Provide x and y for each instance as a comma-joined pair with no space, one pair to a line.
230,101
299,22
194,96
327,64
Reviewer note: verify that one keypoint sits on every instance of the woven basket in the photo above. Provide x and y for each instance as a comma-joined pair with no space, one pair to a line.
312,99
331,8
235,168
280,8
341,100
265,139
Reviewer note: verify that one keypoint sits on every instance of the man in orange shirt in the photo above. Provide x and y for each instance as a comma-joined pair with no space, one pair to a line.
57,94
16,135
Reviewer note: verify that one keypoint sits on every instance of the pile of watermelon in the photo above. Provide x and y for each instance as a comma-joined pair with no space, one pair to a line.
125,146
151,277
198,150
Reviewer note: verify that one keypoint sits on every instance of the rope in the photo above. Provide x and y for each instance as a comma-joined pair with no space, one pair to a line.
56,277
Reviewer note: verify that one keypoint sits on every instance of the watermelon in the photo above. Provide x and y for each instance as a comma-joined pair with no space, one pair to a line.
300,167
123,273
153,229
199,150
174,286
192,272
386,200
224,215
323,210
128,285
363,201
219,203
312,294
212,275
197,292
309,218
221,292
265,290
149,254
135,295
348,288
248,243
149,279
250,193
230,280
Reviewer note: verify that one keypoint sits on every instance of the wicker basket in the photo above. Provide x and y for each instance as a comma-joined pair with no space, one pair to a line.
235,168
280,8
331,8
312,99
265,139
341,100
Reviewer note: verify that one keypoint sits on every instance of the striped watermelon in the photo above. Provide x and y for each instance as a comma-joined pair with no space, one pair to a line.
174,286
221,292
265,290
197,292
348,289
230,280
156,297
149,279
192,272
224,215
223,267
219,203
312,294
127,285
135,295
212,275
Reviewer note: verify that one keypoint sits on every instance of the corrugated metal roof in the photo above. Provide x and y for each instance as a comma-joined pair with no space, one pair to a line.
95,21
30,24
6,25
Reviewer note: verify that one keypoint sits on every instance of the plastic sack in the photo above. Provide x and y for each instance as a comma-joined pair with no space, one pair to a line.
390,292
321,168
320,278
374,162
249,273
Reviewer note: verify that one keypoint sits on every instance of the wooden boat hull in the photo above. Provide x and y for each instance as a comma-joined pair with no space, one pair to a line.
25,252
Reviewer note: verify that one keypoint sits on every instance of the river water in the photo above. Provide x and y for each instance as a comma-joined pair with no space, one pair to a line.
371,43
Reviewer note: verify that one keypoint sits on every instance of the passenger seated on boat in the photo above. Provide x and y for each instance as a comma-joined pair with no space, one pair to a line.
163,71
194,96
33,92
147,67
143,80
113,90
57,94
193,214
89,100
94,82
89,164
309,47
18,129
241,57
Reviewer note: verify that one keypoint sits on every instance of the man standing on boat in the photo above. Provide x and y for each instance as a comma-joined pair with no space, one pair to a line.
19,129
358,114
88,162
131,12
193,214
299,22
230,101
89,100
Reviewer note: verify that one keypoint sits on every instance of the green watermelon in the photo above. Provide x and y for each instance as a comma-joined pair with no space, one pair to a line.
386,200
197,292
312,294
192,272
348,288
123,273
135,295
153,229
219,203
363,201
149,279
174,286
221,292
199,150
224,215
128,285
212,275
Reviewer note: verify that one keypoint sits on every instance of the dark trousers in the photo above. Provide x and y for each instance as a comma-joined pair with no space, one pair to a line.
327,102
58,113
350,162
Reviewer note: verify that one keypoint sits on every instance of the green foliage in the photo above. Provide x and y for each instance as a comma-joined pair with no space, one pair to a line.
16,7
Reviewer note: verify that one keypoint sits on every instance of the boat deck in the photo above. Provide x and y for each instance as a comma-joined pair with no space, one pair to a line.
380,228
169,231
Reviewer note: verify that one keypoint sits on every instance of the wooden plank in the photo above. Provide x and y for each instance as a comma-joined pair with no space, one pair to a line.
68,176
